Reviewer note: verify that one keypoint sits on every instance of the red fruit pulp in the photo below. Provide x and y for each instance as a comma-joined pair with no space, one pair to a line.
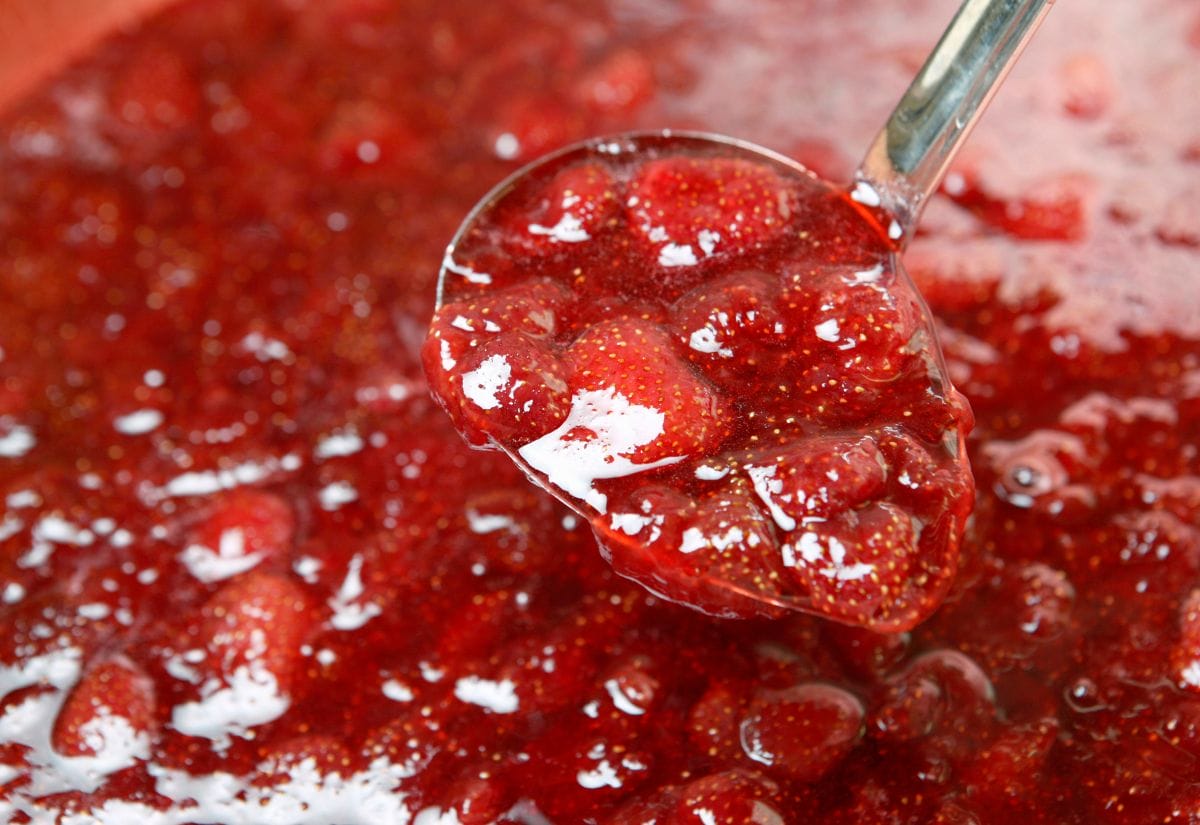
700,322
249,572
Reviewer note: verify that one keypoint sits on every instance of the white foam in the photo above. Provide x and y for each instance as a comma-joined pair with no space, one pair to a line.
708,240
307,567
264,348
618,426
228,560
333,495
692,540
498,697
348,613
23,498
673,254
705,340
569,229
335,444
56,529
248,697
397,691
603,775
18,441
116,745
138,422
307,797
436,816
484,523
10,526
630,523
207,482
446,356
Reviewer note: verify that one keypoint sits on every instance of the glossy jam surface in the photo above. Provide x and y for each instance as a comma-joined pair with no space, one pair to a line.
711,356
250,573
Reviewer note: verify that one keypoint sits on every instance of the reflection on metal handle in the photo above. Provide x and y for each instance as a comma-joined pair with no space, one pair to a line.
908,158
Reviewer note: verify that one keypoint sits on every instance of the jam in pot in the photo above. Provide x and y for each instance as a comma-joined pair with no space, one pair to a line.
250,572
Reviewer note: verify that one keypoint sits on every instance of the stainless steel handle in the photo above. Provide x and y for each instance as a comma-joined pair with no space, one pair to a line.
908,158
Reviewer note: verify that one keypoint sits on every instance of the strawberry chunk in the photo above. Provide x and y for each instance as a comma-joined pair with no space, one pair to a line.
636,406
510,389
257,621
533,308
942,691
716,553
247,662
852,317
732,328
114,700
490,363
686,209
859,567
817,479
244,528
573,207
639,362
726,798
803,732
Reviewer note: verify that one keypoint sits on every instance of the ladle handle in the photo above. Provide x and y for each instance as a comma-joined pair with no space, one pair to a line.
909,156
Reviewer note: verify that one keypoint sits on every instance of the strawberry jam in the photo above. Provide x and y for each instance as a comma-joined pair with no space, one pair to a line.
250,572
715,358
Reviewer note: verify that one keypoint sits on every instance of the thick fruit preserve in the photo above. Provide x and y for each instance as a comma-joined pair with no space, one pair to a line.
714,357
250,572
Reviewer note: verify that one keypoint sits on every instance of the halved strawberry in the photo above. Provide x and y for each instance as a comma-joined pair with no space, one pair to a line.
257,620
851,316
115,697
686,209
858,567
244,527
732,328
716,553
939,691
672,412
510,389
533,308
802,732
817,478
573,207
730,798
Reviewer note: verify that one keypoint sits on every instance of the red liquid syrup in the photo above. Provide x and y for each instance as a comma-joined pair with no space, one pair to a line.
714,358
250,572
